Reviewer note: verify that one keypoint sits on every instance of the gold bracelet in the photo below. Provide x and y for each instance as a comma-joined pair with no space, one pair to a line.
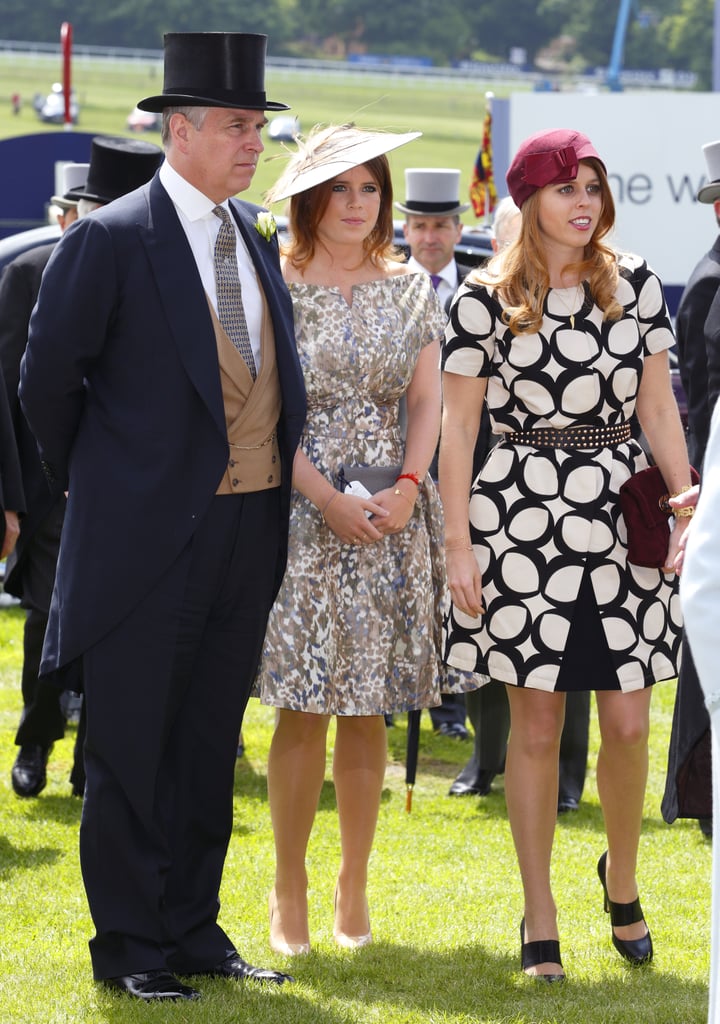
458,545
403,495
328,503
684,513
676,494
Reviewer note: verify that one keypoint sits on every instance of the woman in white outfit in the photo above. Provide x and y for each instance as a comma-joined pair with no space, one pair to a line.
700,598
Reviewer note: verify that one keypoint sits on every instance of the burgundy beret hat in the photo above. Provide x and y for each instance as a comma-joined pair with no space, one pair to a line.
547,158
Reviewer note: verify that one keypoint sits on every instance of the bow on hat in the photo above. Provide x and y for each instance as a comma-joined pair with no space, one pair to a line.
540,169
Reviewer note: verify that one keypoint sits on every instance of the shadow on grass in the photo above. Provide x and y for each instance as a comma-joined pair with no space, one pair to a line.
13,858
392,980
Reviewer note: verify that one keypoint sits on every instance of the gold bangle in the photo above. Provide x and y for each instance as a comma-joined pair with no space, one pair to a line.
676,494
328,503
403,495
684,513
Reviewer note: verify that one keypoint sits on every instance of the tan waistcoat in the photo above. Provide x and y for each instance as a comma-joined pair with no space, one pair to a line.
252,411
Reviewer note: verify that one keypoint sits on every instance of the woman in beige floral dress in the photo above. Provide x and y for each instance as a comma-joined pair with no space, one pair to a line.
354,631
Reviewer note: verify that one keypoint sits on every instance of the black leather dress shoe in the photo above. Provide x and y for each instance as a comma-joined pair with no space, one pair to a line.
567,803
239,970
454,730
480,785
154,985
29,771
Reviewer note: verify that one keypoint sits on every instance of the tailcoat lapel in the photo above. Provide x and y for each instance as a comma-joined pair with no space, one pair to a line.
183,299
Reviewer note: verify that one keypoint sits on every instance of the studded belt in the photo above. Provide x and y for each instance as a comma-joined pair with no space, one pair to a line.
572,437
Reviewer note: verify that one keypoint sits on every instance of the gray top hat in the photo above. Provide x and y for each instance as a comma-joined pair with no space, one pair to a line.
213,69
711,192
73,176
432,191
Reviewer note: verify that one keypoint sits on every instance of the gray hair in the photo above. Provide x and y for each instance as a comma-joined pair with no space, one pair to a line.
504,213
86,206
195,115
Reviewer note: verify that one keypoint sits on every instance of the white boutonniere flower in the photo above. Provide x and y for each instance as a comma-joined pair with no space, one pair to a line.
265,225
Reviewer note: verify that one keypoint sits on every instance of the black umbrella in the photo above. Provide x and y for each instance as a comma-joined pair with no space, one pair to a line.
411,756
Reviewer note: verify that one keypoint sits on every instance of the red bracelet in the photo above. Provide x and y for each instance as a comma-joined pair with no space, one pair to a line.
409,476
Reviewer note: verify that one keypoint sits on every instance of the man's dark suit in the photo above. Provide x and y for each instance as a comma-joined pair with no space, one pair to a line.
11,489
122,389
688,785
30,572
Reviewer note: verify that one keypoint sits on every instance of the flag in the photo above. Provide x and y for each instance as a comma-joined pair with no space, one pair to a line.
483,193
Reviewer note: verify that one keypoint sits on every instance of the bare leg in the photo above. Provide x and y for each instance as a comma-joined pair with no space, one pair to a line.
296,771
531,791
359,772
622,771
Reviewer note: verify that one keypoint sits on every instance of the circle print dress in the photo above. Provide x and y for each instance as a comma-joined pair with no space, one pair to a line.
358,630
564,608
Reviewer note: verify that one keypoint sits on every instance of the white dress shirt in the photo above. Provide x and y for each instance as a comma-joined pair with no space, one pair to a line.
201,226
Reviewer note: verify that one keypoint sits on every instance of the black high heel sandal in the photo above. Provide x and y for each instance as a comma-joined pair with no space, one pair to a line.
539,952
635,951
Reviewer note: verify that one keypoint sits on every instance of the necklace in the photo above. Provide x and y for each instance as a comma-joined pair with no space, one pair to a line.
571,305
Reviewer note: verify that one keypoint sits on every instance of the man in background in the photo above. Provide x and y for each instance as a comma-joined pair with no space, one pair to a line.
432,229
117,166
688,785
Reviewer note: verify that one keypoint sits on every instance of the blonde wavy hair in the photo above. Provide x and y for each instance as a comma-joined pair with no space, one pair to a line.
519,276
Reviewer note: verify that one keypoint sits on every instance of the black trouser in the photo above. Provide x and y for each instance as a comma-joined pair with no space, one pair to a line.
157,816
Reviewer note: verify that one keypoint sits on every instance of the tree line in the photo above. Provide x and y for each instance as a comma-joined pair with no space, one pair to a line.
578,34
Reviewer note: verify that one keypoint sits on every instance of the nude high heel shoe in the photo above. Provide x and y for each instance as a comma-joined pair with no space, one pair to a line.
278,943
351,941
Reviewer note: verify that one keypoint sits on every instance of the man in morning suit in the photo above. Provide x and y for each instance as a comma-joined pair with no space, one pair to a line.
432,229
688,785
117,166
170,411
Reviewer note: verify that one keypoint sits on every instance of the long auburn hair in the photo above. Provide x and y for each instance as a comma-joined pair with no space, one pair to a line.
519,274
308,208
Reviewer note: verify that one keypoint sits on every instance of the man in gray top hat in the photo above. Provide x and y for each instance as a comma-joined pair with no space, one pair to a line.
432,226
170,411
432,229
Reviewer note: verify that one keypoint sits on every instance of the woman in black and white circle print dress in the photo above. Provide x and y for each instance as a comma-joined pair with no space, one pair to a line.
565,341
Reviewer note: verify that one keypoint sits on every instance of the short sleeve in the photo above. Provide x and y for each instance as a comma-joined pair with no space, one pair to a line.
469,343
641,288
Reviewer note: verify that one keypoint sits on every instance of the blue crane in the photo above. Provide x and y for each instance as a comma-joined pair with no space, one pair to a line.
616,57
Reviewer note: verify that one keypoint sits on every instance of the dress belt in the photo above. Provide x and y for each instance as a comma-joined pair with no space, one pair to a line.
581,436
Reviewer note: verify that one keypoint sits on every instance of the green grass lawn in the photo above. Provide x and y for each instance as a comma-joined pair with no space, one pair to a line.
445,902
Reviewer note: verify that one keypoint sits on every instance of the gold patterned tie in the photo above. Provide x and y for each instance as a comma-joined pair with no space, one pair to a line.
231,313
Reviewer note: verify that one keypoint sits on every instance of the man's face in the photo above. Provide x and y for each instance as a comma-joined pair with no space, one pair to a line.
432,240
220,157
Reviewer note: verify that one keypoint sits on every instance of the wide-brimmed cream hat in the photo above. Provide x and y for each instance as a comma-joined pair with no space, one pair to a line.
331,150
710,192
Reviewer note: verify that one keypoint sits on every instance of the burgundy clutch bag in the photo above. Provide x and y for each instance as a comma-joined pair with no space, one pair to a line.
644,504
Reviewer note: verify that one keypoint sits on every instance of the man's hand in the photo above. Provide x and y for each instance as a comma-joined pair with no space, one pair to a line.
12,532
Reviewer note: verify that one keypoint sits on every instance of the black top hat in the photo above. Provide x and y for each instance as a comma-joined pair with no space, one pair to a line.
117,166
213,69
